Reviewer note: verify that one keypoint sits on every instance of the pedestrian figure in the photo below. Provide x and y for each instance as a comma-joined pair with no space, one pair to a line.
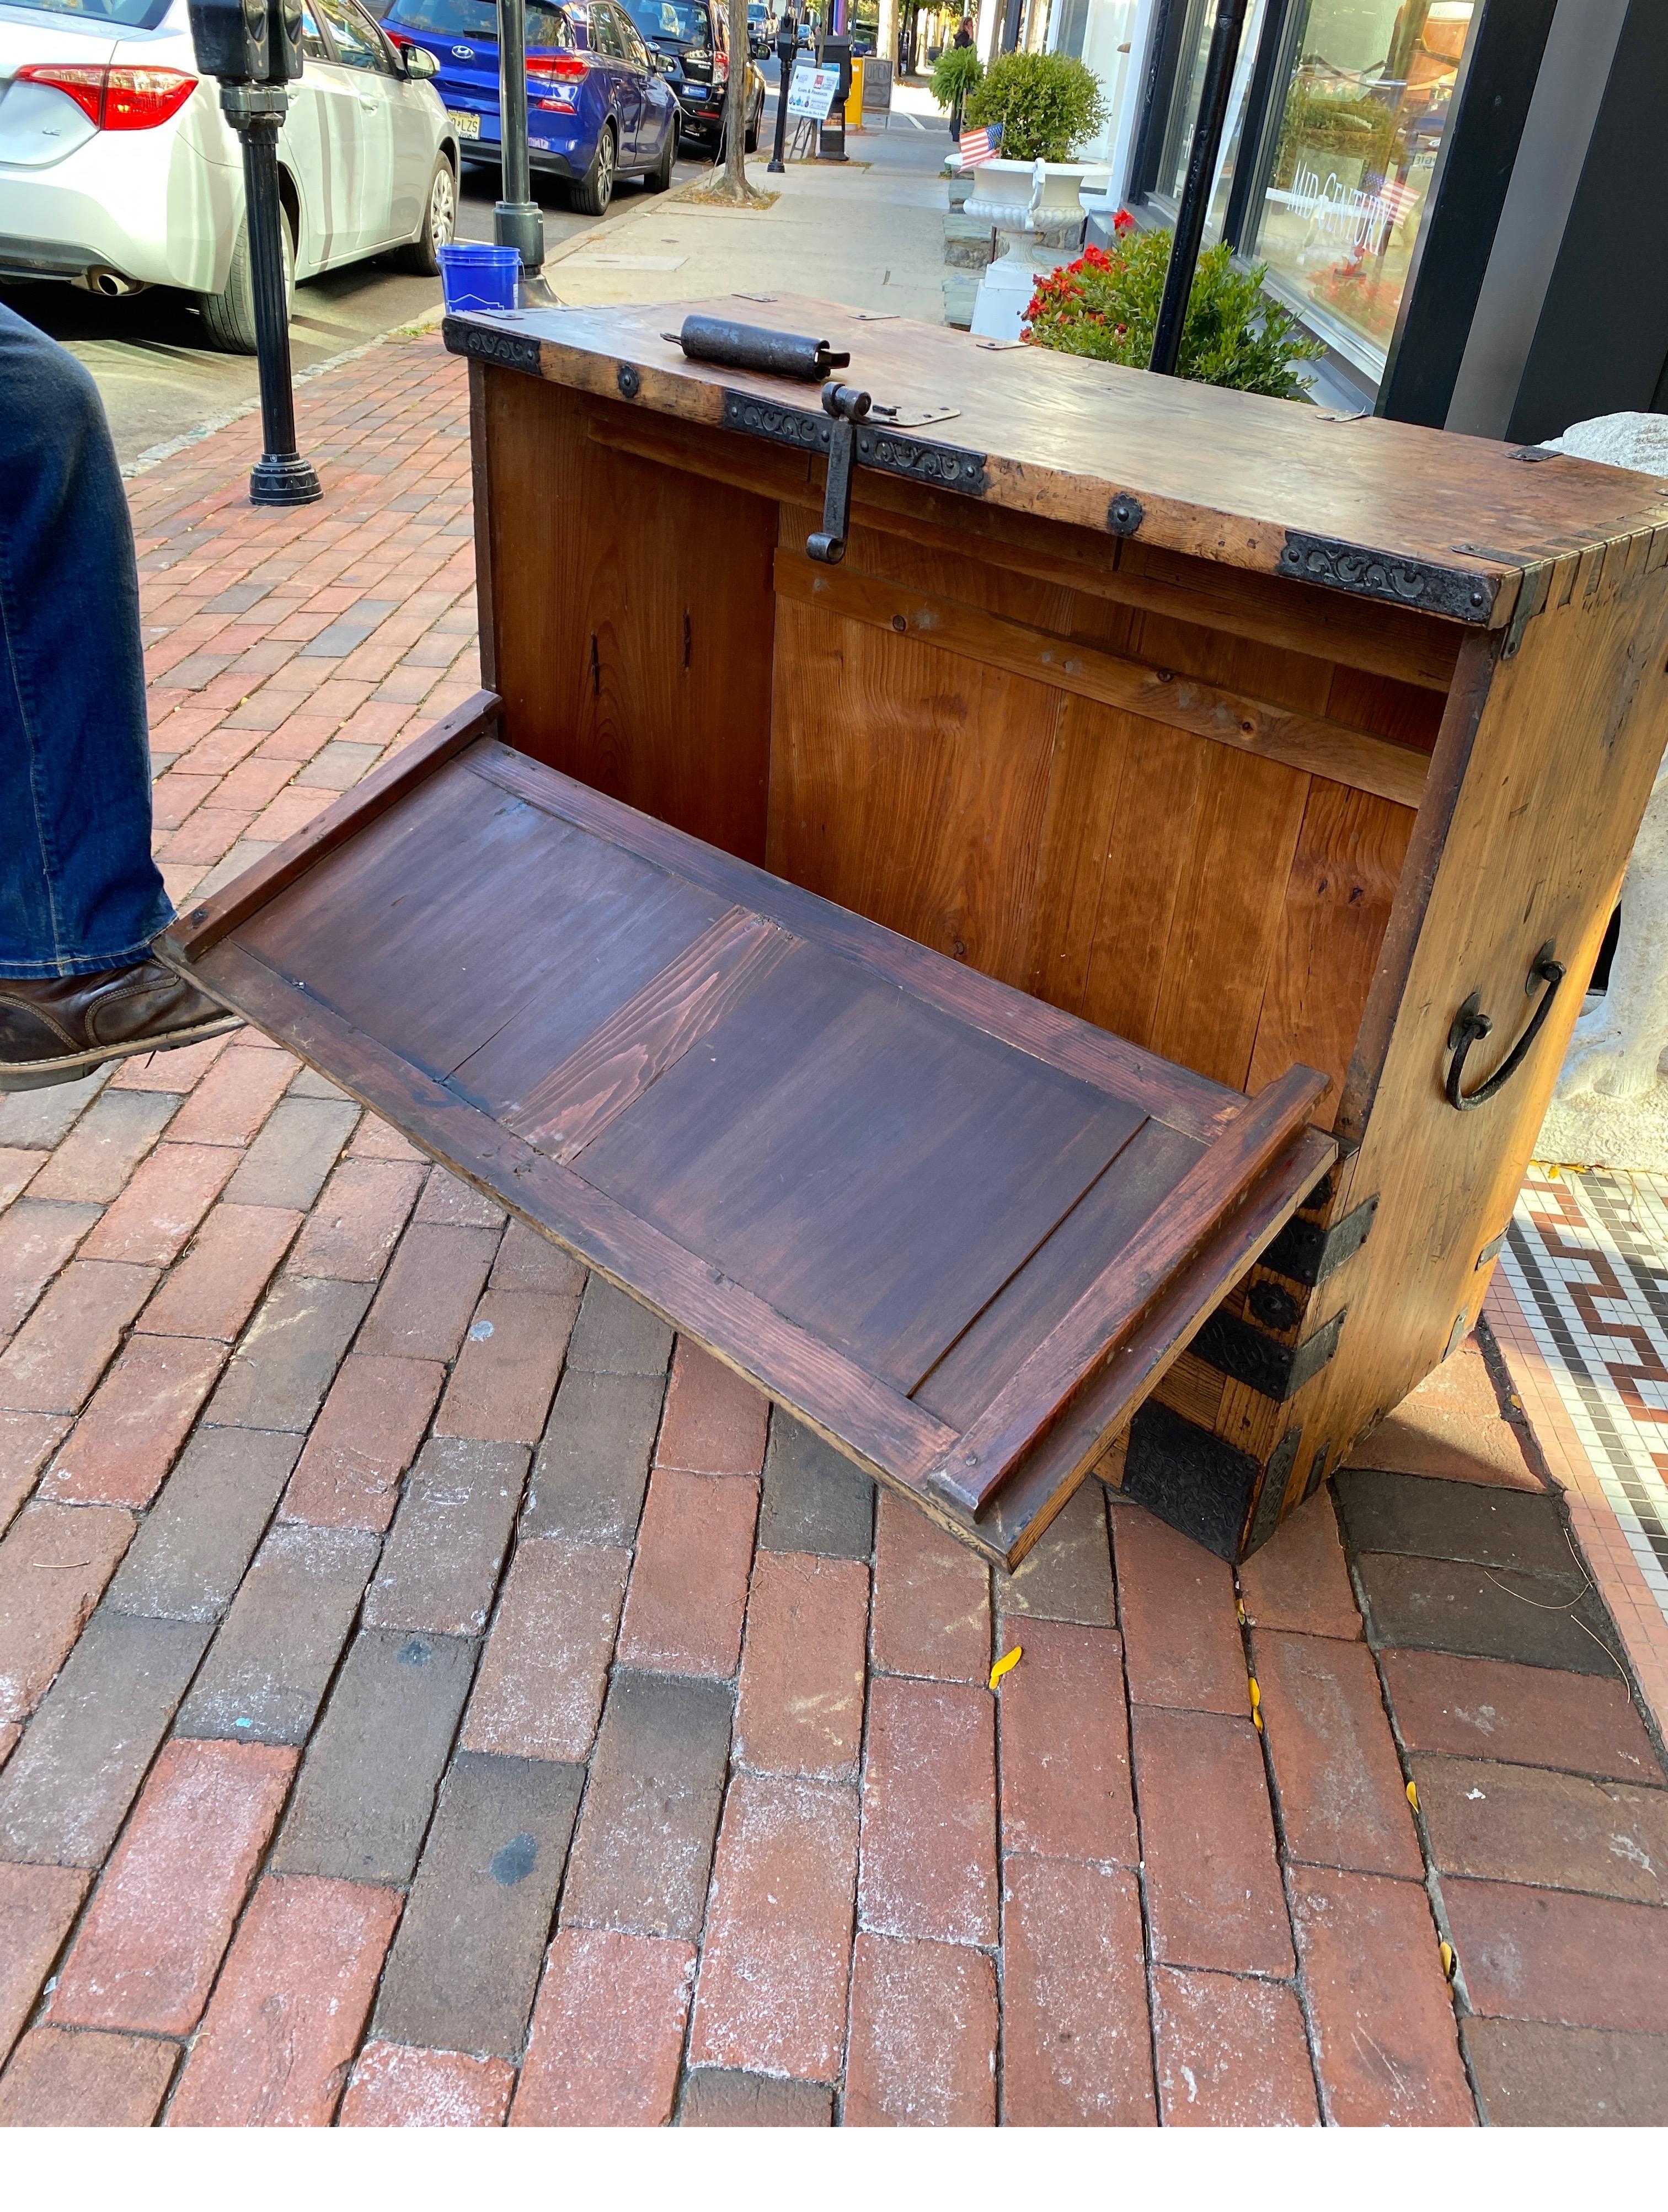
81,898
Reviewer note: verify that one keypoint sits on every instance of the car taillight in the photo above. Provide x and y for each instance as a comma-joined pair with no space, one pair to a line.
116,99
556,69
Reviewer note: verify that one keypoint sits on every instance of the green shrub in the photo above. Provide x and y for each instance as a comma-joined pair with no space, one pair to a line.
955,74
1105,306
1047,104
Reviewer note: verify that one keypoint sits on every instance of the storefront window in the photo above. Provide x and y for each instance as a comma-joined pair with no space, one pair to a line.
1184,111
1355,142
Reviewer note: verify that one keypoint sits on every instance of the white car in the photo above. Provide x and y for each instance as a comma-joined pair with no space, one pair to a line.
118,169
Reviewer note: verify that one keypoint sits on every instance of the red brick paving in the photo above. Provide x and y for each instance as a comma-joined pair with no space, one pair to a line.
394,2086
932,1601
926,1904
924,2036
608,2033
1207,1837
1384,2044
799,1706
146,1953
1181,1641
772,1993
1232,2053
929,1813
289,2007
689,1589
61,2080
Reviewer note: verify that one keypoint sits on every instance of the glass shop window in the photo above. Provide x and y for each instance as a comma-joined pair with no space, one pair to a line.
1352,146
1184,114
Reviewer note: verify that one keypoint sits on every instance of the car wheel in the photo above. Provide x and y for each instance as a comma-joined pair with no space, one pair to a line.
660,177
750,137
440,222
595,189
228,316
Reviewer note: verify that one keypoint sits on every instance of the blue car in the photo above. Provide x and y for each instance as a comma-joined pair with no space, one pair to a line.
598,105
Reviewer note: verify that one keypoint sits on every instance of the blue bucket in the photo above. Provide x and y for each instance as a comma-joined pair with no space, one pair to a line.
474,275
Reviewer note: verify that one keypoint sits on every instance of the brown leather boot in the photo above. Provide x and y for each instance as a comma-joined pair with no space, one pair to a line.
61,1029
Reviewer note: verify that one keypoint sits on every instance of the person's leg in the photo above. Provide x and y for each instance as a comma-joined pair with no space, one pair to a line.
81,898
79,891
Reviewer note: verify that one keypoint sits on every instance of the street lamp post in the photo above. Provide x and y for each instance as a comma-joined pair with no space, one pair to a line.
254,48
516,220
787,47
1196,189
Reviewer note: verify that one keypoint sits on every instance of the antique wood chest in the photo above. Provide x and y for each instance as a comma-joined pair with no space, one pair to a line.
1070,986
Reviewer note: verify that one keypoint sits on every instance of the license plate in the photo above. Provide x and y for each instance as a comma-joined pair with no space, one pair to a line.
468,126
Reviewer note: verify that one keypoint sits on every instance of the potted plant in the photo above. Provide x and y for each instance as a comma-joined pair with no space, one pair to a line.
1105,306
1048,105
955,73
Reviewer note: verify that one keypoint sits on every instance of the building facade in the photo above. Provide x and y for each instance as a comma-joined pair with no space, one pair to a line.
1461,197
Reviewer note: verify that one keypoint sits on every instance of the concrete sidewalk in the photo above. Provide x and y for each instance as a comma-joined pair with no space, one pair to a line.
868,233
429,1694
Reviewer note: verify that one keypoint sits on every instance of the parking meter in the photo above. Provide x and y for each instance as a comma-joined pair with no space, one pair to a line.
247,41
254,48
835,52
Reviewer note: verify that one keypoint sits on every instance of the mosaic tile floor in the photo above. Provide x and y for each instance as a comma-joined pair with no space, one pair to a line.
1579,1306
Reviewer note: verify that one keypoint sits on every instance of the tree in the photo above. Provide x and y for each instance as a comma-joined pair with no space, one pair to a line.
735,106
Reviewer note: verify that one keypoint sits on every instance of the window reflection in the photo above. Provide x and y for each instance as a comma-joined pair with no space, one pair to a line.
1355,144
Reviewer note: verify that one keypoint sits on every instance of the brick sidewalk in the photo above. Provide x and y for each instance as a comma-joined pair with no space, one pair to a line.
429,1693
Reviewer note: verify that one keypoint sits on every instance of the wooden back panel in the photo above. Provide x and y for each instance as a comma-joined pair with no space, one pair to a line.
933,760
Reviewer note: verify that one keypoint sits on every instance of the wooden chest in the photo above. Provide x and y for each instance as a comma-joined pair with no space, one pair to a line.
1020,994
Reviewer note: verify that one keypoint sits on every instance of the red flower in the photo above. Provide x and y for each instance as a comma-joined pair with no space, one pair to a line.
1123,221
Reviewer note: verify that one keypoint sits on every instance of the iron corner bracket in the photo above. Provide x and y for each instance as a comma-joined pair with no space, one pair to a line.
1304,1252
1263,1364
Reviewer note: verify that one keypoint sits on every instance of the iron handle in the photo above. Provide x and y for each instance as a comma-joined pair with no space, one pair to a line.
1471,1025
846,408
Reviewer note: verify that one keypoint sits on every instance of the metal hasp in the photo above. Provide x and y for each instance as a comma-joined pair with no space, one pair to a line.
1471,1025
253,47
767,353
847,407
1196,191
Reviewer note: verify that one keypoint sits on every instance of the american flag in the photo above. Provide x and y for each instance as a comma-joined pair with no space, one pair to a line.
1397,200
981,145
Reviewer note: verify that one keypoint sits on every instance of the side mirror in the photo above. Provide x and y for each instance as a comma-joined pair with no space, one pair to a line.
420,64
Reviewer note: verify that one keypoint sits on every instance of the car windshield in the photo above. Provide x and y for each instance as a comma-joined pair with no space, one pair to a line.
126,15
671,19
477,19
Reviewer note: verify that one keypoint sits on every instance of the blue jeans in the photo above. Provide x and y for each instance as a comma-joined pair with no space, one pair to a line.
79,890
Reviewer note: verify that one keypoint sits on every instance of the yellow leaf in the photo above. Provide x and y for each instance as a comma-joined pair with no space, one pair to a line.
1445,1950
1413,1797
1006,1664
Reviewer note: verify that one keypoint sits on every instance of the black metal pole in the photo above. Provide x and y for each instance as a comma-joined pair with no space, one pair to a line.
787,46
516,220
1195,190
281,477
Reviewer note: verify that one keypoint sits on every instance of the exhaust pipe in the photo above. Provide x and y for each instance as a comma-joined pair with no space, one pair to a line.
110,284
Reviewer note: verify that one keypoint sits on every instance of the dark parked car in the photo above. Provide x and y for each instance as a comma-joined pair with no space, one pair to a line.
599,102
691,38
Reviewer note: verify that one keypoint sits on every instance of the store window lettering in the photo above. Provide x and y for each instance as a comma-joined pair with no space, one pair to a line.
1354,150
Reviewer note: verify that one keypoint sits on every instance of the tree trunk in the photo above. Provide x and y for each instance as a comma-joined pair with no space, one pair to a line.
736,102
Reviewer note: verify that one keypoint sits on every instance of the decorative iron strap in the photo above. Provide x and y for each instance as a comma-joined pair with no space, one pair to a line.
877,448
507,348
1452,592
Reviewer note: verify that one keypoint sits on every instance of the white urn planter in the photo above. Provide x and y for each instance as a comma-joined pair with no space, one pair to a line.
1031,205
1610,1108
